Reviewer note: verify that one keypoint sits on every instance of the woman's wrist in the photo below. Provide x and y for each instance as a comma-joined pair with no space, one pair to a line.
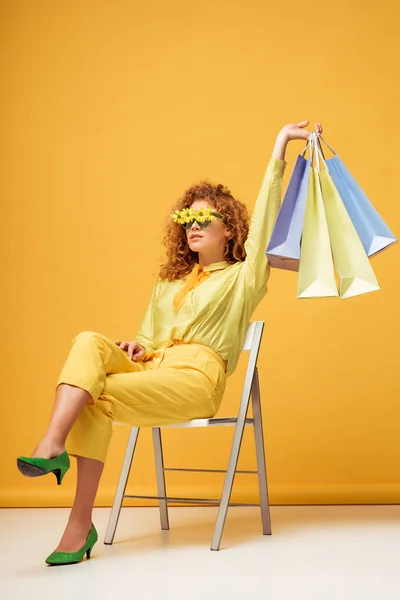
280,146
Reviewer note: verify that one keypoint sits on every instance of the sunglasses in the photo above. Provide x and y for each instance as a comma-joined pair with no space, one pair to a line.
202,224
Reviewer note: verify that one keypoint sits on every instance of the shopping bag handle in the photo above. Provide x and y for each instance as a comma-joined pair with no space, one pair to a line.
304,151
310,143
326,144
316,148
319,151
312,149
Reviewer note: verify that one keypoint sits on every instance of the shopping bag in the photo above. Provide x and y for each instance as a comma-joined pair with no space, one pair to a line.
316,271
375,235
350,259
283,251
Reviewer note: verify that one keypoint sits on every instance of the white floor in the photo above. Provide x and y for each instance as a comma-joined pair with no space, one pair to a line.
314,553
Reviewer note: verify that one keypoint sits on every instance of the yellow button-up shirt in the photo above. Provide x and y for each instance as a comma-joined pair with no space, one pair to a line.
217,312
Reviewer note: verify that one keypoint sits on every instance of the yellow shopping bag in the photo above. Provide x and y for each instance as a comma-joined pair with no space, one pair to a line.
351,261
316,271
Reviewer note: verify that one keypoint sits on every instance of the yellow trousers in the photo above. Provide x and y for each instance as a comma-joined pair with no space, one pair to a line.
176,383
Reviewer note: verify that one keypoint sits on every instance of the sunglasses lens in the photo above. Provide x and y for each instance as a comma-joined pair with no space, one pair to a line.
188,226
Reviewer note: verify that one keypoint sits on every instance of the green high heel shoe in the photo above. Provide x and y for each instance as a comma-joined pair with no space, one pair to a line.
70,558
34,467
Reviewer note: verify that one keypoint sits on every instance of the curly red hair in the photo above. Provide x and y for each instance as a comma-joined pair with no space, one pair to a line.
180,259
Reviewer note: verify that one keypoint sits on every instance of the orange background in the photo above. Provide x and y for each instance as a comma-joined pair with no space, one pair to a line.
109,111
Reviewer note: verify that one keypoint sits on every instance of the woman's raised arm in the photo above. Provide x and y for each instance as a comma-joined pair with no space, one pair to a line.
268,204
264,216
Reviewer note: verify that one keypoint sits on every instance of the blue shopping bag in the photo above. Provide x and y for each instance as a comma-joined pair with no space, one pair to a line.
283,251
375,235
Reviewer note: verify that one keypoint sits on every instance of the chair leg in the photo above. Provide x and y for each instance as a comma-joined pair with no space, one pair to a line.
123,479
159,460
229,477
260,453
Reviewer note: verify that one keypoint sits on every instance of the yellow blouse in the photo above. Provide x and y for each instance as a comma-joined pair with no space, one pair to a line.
217,309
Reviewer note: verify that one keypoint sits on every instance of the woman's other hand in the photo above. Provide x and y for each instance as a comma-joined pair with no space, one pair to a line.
134,349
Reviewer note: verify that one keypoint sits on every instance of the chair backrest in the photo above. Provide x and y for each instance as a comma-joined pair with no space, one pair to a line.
252,342
250,331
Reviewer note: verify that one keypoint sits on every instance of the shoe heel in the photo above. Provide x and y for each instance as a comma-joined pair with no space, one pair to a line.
88,552
59,473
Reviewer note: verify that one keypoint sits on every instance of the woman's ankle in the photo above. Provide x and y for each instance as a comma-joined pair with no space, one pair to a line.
48,448
80,520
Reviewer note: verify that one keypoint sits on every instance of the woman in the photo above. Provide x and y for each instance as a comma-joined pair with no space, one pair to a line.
188,343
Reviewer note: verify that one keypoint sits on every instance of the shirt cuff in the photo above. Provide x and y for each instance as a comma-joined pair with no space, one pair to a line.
277,166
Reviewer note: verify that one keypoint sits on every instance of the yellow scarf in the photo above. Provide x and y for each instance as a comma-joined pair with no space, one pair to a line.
194,279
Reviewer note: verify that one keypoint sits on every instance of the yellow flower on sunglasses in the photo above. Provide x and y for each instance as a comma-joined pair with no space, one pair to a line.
188,215
183,216
205,214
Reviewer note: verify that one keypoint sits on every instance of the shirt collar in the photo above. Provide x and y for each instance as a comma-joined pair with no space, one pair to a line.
216,266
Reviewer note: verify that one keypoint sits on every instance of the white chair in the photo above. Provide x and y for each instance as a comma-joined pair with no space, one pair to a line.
250,388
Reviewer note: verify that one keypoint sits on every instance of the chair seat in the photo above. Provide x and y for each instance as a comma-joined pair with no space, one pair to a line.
201,422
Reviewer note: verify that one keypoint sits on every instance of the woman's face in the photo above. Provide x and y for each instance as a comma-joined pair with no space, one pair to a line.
211,239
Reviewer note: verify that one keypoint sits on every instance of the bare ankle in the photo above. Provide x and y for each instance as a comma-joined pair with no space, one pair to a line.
80,520
48,448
